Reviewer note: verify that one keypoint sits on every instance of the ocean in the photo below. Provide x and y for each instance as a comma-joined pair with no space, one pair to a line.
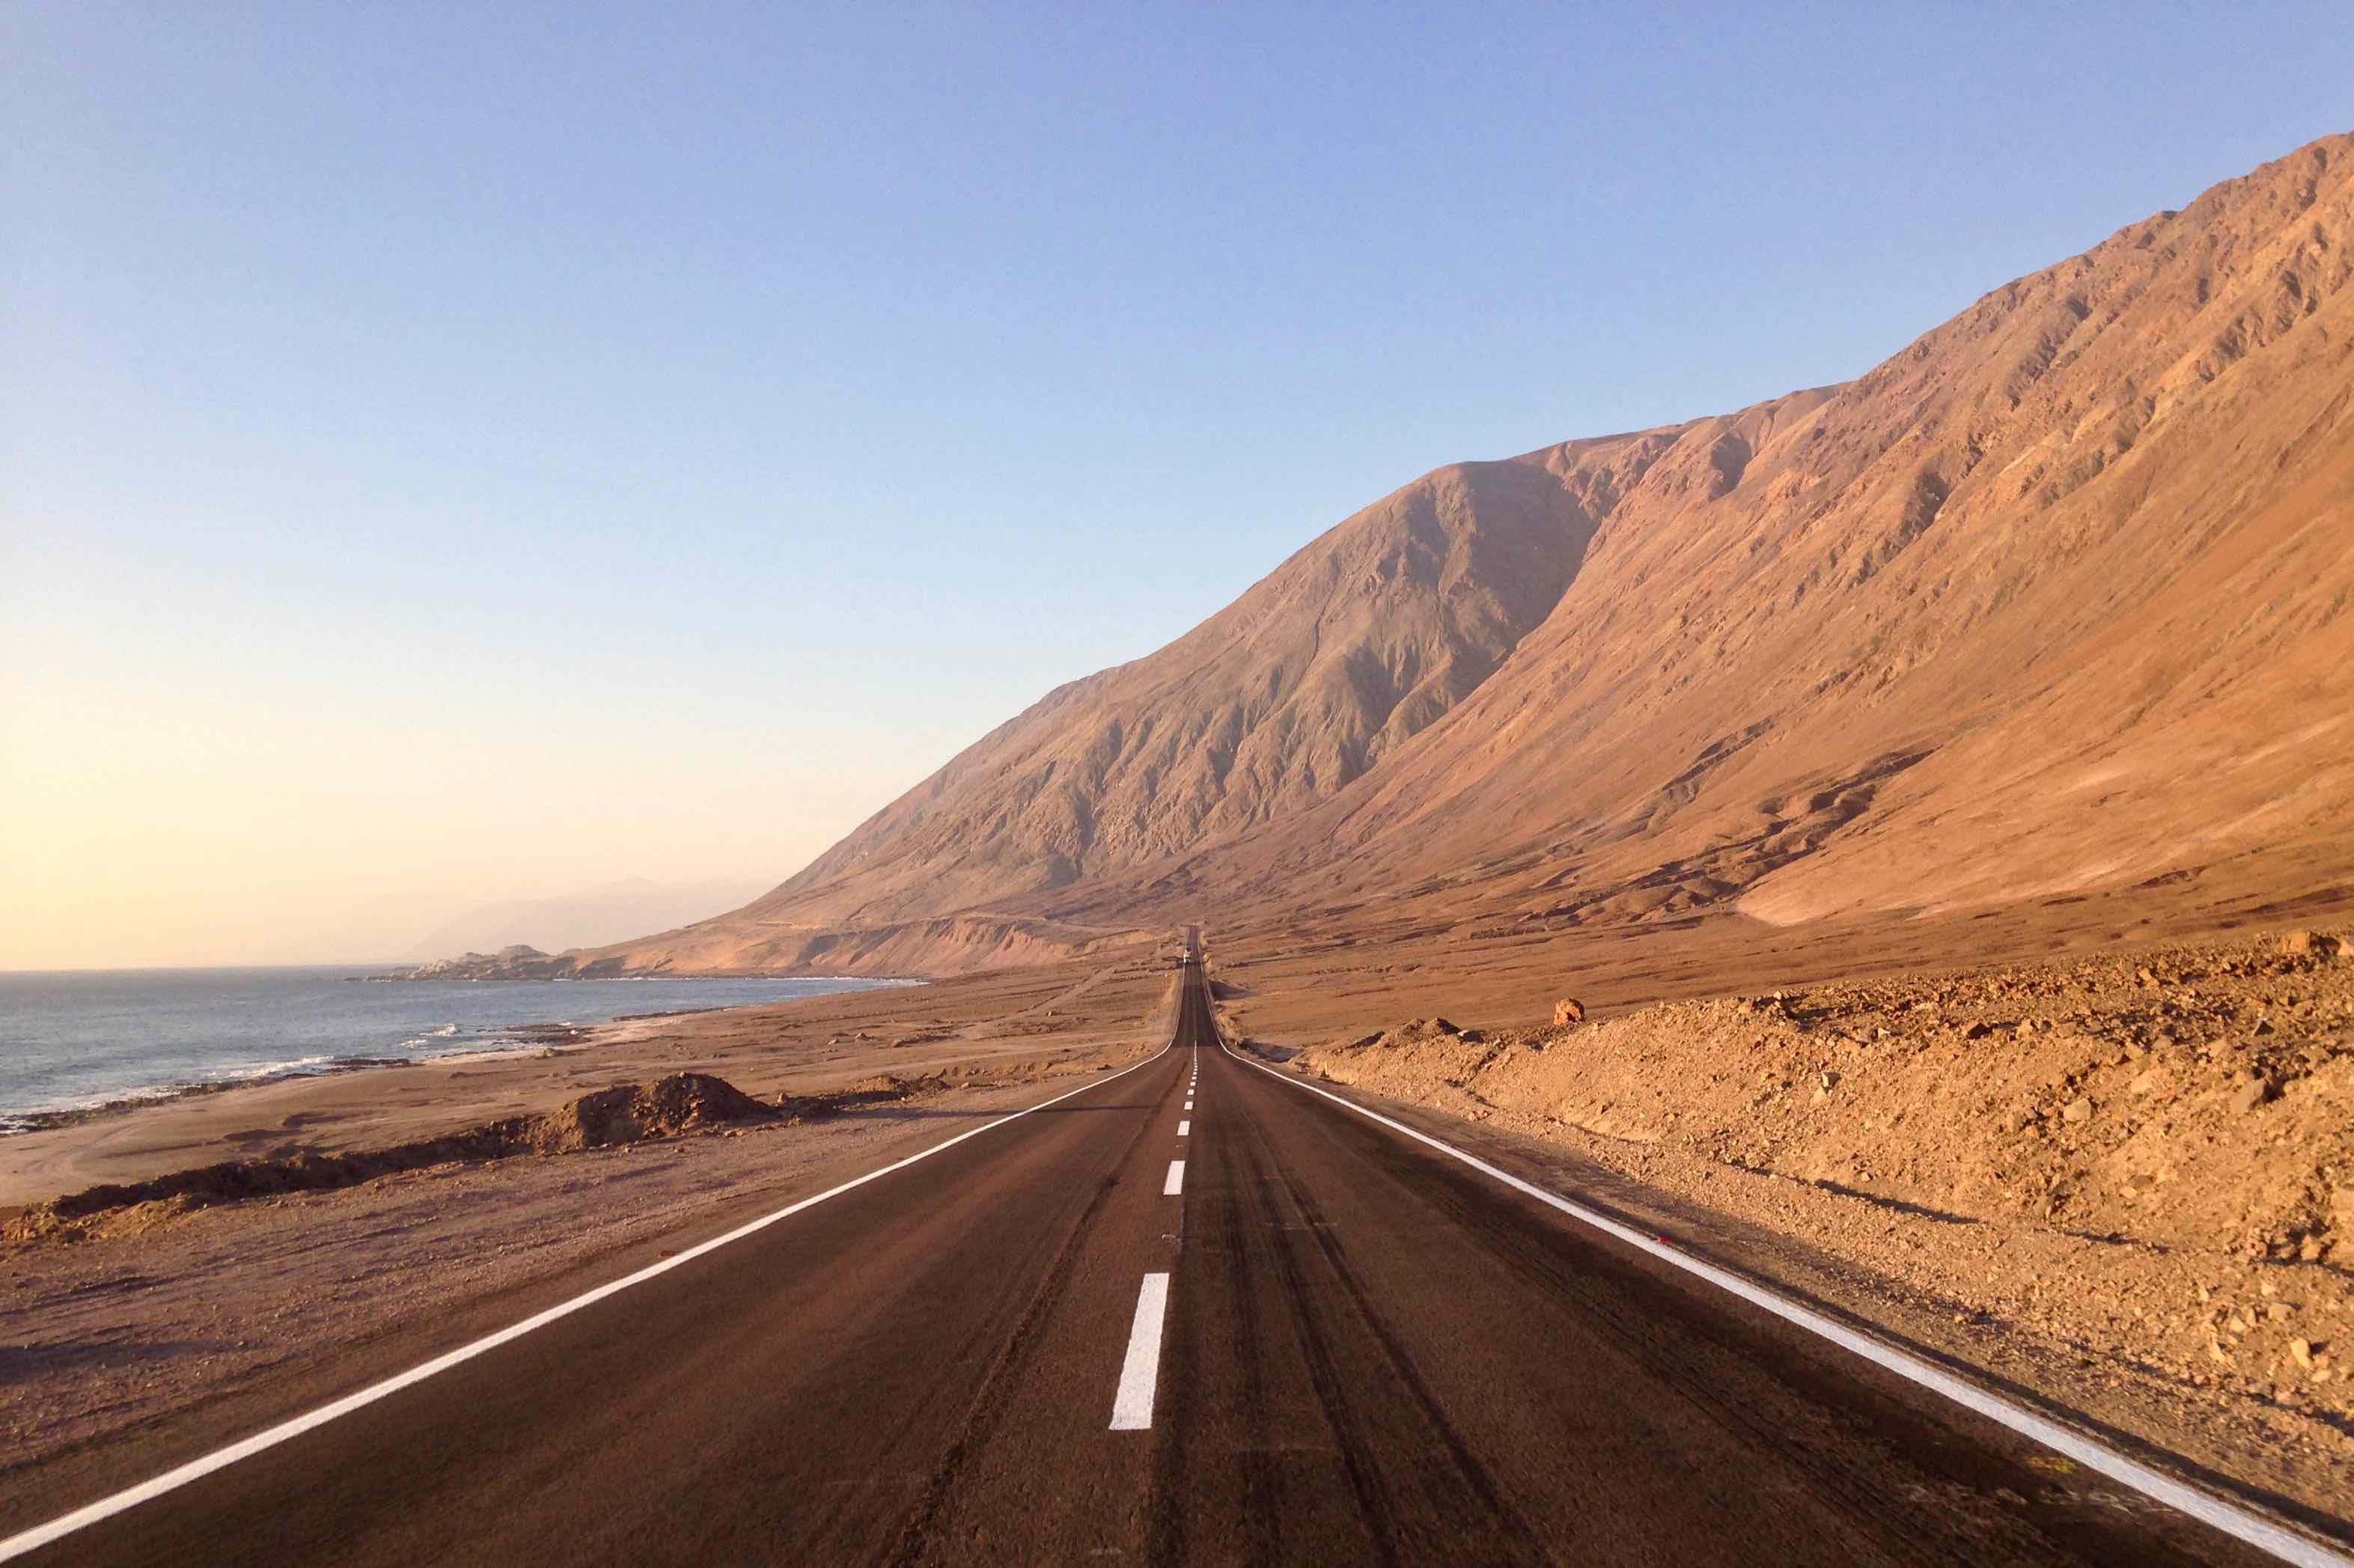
77,1039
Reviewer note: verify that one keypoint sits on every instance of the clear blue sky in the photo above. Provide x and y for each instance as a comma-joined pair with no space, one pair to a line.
473,452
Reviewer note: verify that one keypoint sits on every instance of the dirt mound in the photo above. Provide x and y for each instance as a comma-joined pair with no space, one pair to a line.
627,1113
631,1113
892,1086
882,1089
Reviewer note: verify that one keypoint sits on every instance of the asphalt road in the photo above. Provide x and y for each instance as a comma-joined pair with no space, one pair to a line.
1361,1351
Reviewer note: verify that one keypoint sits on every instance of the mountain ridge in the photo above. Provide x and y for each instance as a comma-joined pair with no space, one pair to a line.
2053,598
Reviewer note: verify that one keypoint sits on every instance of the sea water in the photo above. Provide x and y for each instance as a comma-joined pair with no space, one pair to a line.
77,1039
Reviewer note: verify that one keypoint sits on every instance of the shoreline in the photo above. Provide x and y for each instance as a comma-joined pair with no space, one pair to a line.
339,1108
410,976
511,1039
49,1118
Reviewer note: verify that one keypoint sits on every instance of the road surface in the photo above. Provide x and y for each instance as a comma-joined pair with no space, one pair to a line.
1189,1313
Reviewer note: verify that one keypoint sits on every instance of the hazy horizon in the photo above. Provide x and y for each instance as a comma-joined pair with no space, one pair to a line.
464,459
448,928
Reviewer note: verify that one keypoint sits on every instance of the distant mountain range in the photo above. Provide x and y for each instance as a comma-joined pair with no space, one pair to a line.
2054,599
612,913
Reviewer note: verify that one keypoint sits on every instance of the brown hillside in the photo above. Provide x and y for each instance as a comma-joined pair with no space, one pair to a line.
1340,656
2053,601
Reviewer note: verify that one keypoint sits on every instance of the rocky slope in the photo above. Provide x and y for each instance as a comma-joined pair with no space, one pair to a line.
2053,600
2198,1097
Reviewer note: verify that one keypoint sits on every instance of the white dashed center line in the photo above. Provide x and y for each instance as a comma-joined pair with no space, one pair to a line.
1185,1129
1132,1407
1176,1183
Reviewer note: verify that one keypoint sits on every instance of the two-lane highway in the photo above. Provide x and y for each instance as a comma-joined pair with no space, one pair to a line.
1190,1313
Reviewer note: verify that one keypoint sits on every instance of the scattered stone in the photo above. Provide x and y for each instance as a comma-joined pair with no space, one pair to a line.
2079,1109
2302,1352
2308,944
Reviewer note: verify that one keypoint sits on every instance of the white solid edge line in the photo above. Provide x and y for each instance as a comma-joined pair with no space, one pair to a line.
2238,1523
41,1535
1139,1371
1175,1185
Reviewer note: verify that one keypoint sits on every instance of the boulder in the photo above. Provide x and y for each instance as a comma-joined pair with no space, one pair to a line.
1568,1010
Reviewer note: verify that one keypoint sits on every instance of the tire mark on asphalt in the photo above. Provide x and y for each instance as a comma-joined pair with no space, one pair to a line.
1509,1522
1260,1513
1967,1522
1325,1380
994,1395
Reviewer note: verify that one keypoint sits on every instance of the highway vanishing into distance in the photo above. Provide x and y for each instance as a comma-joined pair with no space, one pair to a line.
1194,1312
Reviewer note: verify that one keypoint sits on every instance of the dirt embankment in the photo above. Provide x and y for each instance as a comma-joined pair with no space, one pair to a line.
681,1104
2140,1168
626,1113
678,1106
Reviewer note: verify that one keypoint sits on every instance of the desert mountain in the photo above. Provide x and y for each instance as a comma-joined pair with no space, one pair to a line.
1341,656
2054,599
